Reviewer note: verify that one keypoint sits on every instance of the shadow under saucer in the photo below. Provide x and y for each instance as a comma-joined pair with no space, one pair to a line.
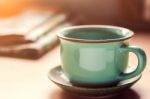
57,76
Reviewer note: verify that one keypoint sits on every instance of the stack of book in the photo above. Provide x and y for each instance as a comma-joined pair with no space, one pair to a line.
31,33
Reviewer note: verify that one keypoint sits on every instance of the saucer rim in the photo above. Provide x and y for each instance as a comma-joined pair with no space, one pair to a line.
138,77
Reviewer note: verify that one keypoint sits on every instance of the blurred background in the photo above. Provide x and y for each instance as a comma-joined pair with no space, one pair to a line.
134,14
26,33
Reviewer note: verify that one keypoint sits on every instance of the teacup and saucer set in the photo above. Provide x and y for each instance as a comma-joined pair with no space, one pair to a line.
94,59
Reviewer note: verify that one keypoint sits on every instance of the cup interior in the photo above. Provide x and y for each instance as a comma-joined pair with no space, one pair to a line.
95,33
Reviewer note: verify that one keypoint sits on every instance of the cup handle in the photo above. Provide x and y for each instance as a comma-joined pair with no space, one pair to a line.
141,56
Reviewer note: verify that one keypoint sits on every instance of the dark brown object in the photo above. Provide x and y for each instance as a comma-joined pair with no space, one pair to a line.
126,13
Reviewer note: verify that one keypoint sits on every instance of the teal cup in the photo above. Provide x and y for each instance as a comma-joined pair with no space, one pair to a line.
98,54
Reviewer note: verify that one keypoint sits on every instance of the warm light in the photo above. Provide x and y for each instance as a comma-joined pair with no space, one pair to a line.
10,7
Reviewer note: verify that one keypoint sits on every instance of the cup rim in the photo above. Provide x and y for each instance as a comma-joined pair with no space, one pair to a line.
60,33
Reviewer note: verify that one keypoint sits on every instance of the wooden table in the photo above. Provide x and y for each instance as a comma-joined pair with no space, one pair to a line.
27,79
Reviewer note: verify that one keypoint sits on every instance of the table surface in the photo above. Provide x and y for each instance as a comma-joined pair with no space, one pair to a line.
27,79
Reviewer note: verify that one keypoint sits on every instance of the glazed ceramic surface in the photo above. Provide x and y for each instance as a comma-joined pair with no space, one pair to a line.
57,76
98,54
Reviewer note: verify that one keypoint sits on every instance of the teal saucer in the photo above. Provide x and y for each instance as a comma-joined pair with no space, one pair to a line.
57,76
